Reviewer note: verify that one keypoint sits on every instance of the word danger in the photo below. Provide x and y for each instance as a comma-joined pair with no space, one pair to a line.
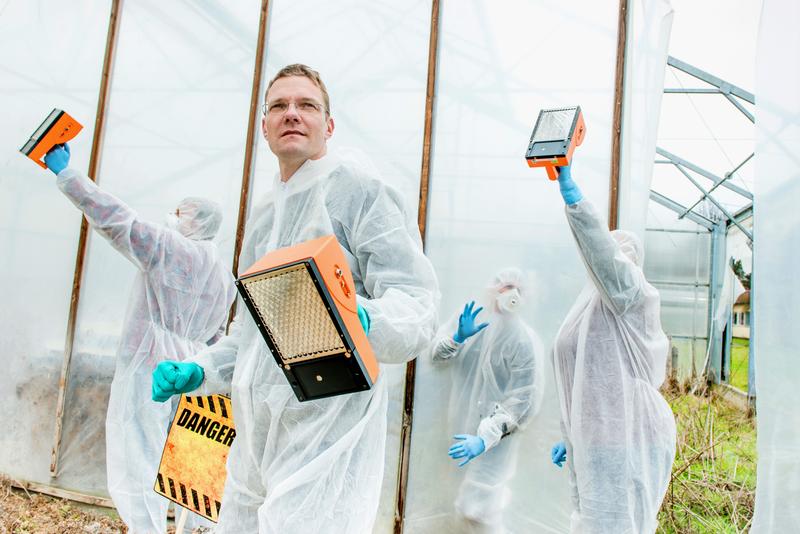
206,427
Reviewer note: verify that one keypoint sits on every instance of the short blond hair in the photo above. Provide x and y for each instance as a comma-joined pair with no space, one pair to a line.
298,69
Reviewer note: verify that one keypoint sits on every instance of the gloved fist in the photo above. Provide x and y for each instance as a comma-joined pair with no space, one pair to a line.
171,378
466,323
559,453
569,189
467,446
363,316
58,158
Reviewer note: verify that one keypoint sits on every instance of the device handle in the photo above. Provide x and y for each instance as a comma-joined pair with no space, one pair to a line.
552,173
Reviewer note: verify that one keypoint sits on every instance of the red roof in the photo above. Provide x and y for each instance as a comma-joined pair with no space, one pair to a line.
744,298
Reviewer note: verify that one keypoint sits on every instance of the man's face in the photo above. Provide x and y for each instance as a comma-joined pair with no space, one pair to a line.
295,125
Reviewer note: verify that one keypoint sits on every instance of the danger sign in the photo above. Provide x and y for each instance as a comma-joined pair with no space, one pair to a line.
192,471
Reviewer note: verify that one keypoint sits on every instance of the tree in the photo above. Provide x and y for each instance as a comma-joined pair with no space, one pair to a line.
738,270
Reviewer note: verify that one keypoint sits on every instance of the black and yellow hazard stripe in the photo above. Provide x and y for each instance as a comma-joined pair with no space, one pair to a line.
180,493
212,403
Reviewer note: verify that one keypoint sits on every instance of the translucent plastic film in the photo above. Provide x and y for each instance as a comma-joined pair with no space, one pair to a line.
51,55
176,126
489,210
776,288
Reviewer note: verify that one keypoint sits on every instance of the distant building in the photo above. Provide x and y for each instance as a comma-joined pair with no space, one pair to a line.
741,316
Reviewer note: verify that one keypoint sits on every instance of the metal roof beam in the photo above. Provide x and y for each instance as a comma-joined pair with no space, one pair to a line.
679,209
704,173
722,85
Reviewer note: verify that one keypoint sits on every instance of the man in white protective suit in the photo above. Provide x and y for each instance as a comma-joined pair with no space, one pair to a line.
179,303
317,466
609,360
497,387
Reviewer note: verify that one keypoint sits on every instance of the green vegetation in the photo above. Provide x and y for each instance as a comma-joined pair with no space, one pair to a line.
714,475
740,358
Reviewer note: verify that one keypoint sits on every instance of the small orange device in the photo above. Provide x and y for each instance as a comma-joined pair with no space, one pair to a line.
58,128
554,138
303,300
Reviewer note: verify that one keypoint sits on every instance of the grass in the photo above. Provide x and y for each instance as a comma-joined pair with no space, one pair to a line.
713,478
740,359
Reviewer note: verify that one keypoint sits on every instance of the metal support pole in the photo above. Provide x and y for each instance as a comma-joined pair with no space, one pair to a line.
616,132
716,278
83,237
422,220
250,143
751,360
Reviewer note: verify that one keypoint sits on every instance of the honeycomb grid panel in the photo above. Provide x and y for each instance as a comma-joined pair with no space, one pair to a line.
291,308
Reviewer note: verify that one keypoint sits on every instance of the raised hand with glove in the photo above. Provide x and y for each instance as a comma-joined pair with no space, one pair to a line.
58,158
569,189
466,323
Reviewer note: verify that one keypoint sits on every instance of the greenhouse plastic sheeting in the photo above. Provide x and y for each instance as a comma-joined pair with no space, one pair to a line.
38,226
646,58
488,210
178,106
776,288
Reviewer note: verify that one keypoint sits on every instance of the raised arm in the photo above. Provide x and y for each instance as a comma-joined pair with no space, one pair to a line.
137,240
618,279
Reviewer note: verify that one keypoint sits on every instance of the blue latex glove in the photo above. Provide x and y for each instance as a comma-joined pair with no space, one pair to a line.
569,189
58,158
559,453
363,316
467,446
466,323
171,378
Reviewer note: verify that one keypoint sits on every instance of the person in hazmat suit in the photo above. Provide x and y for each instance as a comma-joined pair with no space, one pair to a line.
180,300
498,385
609,360
315,466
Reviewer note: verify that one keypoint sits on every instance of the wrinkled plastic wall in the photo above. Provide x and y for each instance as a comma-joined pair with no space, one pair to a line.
776,255
180,95
176,126
488,210
38,227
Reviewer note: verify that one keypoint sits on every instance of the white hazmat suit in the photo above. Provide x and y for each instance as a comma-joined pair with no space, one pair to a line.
317,466
179,302
497,387
609,360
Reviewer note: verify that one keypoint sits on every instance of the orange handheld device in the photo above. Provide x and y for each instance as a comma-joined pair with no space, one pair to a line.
58,128
554,138
303,300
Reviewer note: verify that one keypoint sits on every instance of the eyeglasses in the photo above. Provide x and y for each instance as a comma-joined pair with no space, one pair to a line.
279,107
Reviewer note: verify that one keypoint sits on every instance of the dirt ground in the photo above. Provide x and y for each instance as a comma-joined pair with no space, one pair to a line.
24,512
31,513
